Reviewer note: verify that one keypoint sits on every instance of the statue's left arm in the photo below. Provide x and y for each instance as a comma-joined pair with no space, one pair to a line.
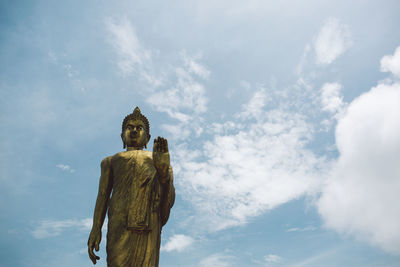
165,176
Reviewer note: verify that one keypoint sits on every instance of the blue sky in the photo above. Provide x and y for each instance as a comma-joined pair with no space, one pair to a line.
281,117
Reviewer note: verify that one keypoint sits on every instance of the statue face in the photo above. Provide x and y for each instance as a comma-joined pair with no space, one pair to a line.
135,134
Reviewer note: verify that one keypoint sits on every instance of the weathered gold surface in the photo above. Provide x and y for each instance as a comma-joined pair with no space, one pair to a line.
136,187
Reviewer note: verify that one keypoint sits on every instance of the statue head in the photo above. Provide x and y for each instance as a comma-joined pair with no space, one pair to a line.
135,130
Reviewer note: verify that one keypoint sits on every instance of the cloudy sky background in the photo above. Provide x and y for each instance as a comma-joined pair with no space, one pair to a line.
282,119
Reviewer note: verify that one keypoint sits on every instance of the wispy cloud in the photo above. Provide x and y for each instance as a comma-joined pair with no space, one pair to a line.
217,260
133,57
303,60
331,102
178,91
331,98
260,162
178,243
255,107
50,228
194,66
65,167
318,259
272,258
333,39
297,229
185,101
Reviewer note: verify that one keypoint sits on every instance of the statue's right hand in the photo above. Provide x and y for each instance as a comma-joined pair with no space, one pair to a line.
94,242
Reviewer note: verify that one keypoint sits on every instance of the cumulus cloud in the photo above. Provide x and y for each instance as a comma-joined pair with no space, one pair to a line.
178,243
360,197
50,228
391,63
332,40
260,162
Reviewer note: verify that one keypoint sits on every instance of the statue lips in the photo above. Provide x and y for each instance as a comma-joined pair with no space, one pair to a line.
134,138
134,135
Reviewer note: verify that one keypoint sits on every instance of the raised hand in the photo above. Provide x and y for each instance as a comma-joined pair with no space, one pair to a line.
94,243
161,158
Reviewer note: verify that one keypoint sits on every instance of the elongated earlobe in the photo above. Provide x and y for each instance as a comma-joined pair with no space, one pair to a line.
123,140
148,139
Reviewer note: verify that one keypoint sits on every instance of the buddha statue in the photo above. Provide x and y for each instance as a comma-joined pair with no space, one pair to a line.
136,190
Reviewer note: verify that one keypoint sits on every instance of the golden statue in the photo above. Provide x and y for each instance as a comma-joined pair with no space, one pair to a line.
140,184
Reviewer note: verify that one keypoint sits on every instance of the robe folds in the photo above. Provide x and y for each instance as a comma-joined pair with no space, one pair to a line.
138,208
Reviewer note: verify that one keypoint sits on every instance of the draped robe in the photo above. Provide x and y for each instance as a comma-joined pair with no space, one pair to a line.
138,208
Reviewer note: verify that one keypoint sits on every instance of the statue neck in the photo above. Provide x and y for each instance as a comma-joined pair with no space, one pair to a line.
134,148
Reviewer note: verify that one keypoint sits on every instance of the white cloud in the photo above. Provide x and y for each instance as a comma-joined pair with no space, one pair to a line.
331,98
178,131
331,102
297,229
220,128
134,58
178,242
332,40
272,258
70,70
194,67
391,63
253,167
255,106
217,260
361,196
303,60
65,167
52,56
83,251
319,259
184,100
50,228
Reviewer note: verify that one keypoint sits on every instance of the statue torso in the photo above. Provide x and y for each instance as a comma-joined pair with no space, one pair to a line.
135,189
